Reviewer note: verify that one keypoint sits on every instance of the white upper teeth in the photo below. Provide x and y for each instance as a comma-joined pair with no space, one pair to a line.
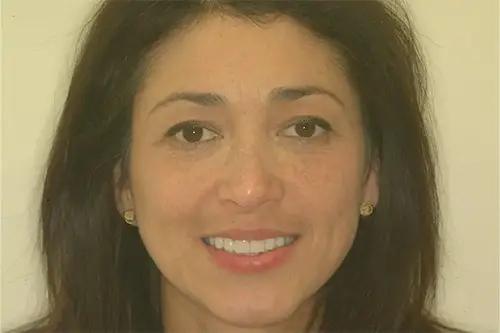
249,247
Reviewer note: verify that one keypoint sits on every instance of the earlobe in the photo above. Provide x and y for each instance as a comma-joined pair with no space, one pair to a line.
371,194
123,193
371,191
366,209
129,217
123,199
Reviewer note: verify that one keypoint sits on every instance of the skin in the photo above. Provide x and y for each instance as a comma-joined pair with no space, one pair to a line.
252,169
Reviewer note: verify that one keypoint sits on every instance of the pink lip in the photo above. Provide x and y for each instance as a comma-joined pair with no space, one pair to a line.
255,234
253,264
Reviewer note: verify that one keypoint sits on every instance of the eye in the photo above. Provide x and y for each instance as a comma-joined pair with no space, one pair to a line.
191,132
307,128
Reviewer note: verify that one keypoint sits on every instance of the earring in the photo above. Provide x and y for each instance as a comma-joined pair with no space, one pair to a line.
129,217
366,209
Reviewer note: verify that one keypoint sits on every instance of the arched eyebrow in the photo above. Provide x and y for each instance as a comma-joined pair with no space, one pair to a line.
279,94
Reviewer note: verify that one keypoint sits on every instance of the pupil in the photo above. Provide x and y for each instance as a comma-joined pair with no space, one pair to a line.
193,134
305,129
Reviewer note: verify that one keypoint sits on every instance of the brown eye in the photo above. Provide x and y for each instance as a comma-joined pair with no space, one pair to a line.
307,128
191,132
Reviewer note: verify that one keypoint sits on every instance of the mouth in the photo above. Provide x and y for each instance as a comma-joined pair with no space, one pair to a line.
249,247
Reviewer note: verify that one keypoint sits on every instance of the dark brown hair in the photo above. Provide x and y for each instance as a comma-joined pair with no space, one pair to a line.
100,277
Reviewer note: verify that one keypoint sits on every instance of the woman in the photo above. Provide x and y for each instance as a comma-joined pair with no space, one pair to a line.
243,166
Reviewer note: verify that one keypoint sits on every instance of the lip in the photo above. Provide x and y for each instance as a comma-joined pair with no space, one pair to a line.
254,264
252,234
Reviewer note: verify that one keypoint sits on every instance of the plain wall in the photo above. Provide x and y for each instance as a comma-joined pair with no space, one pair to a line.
461,40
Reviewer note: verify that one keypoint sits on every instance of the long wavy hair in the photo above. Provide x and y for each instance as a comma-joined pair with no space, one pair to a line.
100,277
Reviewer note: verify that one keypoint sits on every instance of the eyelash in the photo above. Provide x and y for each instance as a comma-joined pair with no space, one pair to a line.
316,121
193,124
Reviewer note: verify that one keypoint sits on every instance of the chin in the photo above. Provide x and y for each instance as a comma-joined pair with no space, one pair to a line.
251,318
254,312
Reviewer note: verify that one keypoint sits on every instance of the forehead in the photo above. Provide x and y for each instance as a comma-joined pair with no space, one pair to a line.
243,60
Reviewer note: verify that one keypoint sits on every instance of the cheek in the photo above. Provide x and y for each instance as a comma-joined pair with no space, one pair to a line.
329,193
163,189
166,200
331,186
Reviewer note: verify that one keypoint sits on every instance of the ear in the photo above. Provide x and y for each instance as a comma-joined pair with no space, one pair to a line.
123,192
371,185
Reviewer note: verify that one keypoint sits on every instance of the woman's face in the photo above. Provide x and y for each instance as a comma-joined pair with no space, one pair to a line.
246,139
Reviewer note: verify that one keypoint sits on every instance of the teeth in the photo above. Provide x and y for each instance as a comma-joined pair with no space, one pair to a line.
228,245
241,247
270,244
248,247
218,242
257,246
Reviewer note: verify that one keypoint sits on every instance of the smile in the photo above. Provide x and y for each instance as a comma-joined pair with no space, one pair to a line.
248,247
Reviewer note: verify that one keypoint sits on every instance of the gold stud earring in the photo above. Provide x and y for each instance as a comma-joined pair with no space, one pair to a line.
129,217
366,209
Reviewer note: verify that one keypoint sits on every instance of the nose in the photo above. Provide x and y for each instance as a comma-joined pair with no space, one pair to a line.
249,178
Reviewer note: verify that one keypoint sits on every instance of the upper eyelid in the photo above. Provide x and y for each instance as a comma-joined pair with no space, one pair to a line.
299,119
194,123
212,128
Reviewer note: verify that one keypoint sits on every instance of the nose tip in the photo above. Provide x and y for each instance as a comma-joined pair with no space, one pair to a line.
250,183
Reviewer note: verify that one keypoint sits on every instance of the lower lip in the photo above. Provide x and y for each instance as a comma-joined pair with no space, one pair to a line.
254,264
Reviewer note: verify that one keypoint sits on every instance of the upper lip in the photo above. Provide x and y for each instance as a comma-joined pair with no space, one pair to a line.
251,234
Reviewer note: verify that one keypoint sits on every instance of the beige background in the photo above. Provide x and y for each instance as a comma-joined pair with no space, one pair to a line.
461,40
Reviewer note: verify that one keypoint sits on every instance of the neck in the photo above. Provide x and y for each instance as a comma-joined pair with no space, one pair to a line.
180,315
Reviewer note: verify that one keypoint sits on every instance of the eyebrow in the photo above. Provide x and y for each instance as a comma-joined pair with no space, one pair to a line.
279,94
